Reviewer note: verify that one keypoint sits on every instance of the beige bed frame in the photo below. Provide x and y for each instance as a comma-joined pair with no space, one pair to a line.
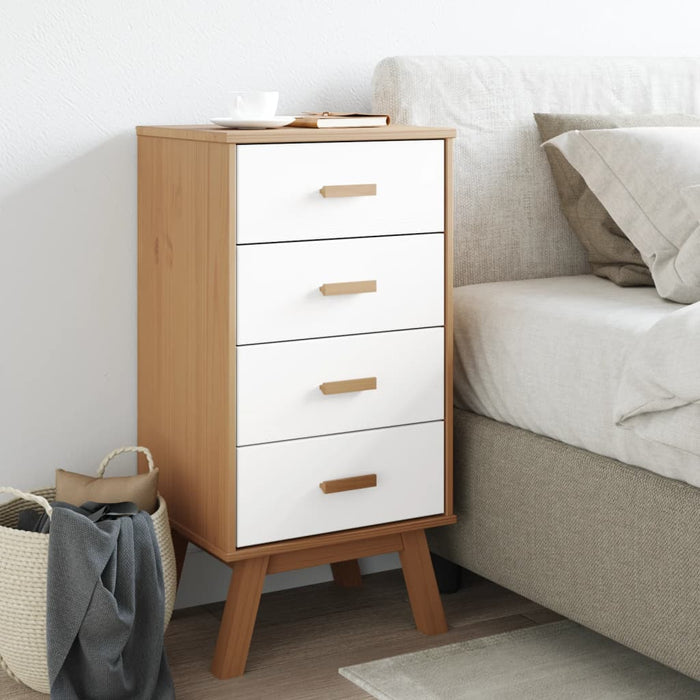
612,546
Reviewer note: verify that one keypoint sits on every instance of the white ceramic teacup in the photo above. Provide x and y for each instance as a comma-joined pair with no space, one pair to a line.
253,104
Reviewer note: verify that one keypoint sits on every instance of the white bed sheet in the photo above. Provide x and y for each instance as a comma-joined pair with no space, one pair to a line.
547,355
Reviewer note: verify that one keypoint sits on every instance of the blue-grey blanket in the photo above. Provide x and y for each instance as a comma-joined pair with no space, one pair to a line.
105,609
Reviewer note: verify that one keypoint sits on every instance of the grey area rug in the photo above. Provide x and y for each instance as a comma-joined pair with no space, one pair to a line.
559,661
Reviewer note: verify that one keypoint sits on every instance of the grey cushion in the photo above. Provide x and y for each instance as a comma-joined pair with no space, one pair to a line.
610,252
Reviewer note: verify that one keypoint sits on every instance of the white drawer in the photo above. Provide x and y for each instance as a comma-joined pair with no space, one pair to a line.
278,187
278,384
279,497
279,293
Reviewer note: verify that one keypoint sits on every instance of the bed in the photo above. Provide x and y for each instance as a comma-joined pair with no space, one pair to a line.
560,496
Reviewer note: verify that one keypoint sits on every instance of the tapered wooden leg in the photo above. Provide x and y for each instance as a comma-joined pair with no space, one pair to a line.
238,621
347,573
420,582
180,546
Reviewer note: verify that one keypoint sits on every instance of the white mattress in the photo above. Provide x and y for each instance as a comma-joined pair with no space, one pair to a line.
547,355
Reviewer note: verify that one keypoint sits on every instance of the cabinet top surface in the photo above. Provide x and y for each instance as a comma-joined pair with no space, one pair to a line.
287,134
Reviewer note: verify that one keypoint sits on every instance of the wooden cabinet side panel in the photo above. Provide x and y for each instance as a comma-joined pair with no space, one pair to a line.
449,332
186,283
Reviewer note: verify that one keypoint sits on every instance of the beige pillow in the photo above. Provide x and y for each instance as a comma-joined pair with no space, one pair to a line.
610,252
76,489
648,178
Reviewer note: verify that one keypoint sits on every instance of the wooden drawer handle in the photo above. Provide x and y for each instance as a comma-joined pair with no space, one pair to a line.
366,481
348,190
335,288
347,385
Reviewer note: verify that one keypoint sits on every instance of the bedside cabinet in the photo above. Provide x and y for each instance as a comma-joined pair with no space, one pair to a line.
295,351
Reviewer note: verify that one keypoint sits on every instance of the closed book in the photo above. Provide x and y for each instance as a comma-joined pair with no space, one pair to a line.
327,120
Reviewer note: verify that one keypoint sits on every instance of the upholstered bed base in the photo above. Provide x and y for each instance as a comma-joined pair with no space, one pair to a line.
608,545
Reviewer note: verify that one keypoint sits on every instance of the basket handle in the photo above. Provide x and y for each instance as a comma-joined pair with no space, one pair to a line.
122,450
39,500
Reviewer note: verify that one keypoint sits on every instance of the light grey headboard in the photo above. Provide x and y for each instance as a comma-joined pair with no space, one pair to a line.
508,224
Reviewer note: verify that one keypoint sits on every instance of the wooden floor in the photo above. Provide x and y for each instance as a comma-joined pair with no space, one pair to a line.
304,635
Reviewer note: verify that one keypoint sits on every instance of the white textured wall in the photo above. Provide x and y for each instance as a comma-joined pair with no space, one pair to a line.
77,75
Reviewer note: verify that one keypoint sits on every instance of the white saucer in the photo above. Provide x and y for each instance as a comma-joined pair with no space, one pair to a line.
267,123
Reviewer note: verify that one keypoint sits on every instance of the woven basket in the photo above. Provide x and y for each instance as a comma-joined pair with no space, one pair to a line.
24,560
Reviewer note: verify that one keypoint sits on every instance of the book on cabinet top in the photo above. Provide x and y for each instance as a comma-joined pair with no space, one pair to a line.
327,120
